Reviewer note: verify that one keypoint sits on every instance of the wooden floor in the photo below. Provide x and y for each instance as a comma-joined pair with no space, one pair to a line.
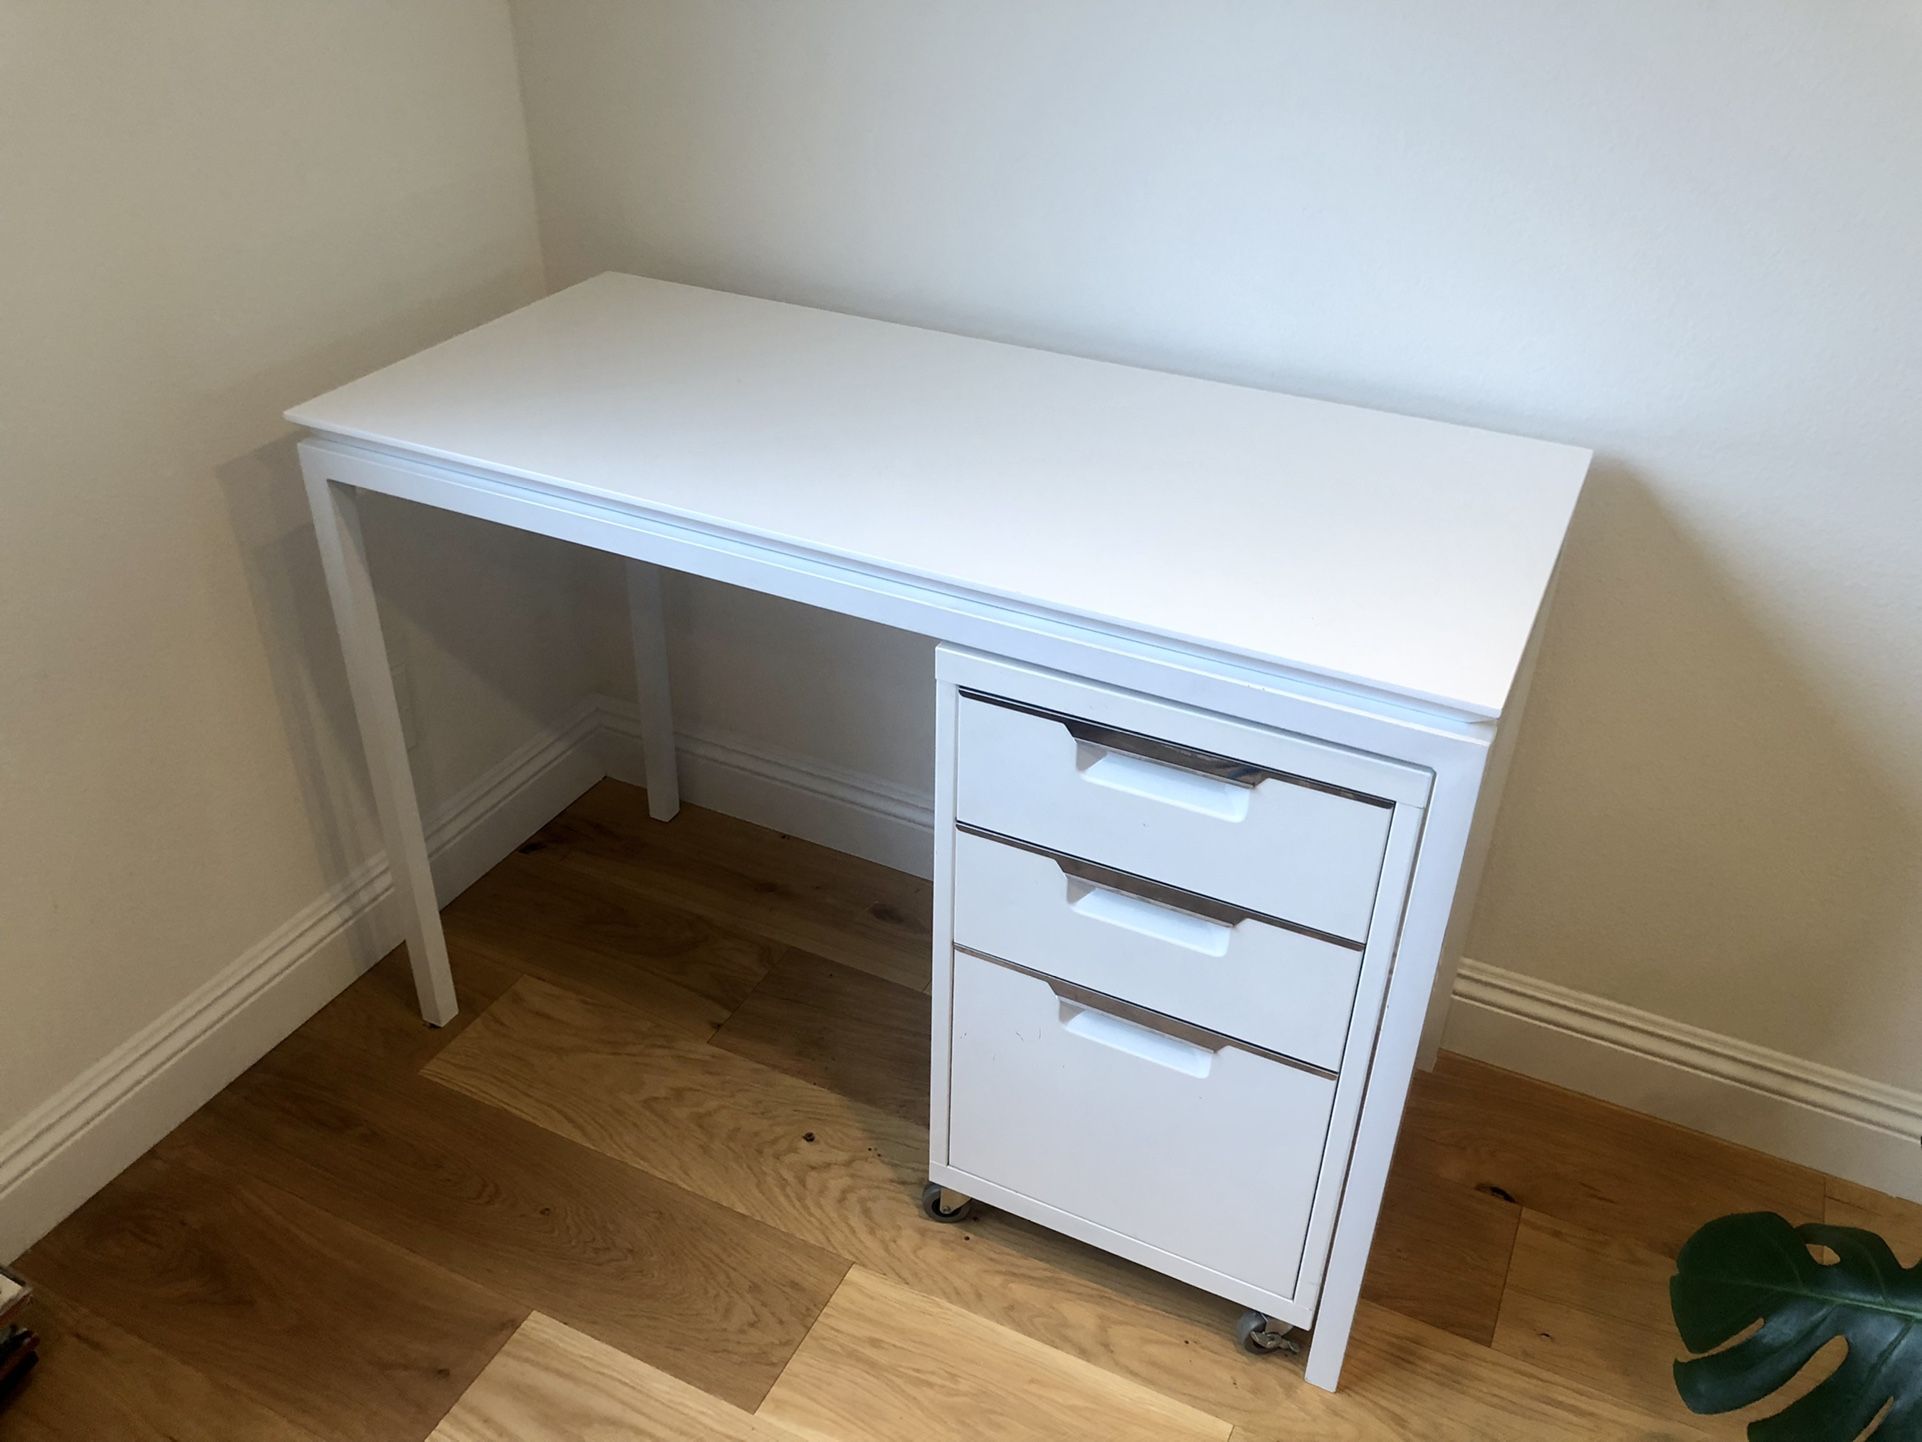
659,1181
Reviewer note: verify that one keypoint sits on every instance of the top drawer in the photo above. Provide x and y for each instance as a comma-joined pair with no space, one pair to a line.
1205,823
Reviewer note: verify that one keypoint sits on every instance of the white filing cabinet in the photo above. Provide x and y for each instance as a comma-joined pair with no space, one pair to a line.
1163,938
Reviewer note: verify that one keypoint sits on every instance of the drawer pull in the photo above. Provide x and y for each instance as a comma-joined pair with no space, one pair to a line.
1160,781
1106,1029
1085,1001
1162,771
1121,908
1198,922
1171,754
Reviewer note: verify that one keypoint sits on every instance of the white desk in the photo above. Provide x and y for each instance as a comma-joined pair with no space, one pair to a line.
1227,681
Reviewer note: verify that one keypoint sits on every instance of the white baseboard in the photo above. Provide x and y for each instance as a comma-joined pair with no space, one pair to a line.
1831,1120
1818,1116
66,1149
878,820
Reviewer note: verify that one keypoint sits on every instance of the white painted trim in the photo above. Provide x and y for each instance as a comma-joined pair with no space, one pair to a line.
1824,1089
63,1151
1817,1115
865,816
1832,1120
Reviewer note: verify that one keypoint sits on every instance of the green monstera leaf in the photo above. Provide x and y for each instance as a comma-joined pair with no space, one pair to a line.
1757,1268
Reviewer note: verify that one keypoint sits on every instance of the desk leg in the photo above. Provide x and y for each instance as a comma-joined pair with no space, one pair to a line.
648,622
343,557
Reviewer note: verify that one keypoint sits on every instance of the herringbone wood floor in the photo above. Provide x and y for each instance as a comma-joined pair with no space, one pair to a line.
659,1181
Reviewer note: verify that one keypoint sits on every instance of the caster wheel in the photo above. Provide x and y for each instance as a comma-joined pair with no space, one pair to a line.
1258,1334
932,1209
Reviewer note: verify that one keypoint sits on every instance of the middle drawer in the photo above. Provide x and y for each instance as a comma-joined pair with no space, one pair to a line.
1181,955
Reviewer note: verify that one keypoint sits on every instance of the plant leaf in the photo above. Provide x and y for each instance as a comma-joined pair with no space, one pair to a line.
1755,1267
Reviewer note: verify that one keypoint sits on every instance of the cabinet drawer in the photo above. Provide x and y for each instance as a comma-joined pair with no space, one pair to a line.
1194,959
1165,1133
1207,824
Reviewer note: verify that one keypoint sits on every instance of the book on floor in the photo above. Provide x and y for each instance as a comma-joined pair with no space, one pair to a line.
14,1295
19,1355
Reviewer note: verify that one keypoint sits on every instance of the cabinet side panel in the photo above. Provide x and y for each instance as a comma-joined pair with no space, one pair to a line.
941,987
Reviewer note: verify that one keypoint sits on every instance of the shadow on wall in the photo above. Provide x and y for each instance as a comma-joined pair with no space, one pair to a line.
792,679
1733,836
497,634
267,510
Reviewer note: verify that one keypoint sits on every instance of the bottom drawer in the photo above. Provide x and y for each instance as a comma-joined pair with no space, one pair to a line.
1181,1139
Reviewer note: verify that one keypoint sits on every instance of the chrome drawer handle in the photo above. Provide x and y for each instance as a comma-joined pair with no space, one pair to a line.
1199,1037
1153,893
1156,893
1167,753
1225,769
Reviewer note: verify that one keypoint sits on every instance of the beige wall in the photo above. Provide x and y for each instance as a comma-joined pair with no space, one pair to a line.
209,210
1686,235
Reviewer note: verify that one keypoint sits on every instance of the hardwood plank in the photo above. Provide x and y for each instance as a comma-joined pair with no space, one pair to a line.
1899,1223
829,1170
338,1243
542,917
1407,1382
693,1287
1595,1309
97,1381
839,1028
773,885
885,1362
1441,1252
733,1130
374,1025
550,1381
1587,1162
332,1328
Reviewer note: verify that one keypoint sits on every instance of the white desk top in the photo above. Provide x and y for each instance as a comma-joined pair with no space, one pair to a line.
1407,555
